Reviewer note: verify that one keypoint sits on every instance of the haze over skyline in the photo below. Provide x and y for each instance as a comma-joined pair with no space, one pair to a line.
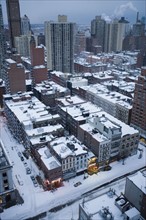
80,12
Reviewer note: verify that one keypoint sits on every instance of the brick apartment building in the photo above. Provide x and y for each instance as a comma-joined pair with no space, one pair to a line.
14,77
138,119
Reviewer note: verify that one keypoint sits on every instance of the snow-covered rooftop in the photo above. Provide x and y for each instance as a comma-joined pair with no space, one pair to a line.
96,135
65,147
103,75
113,97
28,110
10,61
94,207
111,121
39,67
139,179
47,158
78,111
61,74
43,130
49,87
71,100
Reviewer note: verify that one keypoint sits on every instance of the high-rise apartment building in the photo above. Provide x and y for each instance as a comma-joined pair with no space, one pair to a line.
138,119
39,70
2,43
25,25
59,38
14,77
14,20
22,45
116,32
80,42
138,27
98,31
41,39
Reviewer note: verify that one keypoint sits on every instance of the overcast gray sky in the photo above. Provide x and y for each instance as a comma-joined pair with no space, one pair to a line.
79,11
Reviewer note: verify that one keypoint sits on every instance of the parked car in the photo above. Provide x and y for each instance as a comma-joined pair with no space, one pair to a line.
77,184
28,170
32,177
25,164
22,158
19,154
34,181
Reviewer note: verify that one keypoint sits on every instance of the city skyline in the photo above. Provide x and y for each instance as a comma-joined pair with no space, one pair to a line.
81,12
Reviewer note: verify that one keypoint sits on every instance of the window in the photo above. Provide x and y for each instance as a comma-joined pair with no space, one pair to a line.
6,187
5,181
105,129
4,174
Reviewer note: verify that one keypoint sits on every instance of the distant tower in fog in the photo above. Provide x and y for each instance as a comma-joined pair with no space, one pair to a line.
14,21
138,27
2,44
25,25
80,42
22,45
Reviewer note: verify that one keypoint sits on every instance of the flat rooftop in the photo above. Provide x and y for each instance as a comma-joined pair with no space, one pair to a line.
139,179
47,158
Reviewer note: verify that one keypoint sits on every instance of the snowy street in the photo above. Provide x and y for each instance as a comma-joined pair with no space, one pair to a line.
36,200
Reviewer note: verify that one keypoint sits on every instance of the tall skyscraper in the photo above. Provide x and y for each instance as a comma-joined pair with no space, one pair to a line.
59,38
22,45
14,21
138,119
2,44
138,27
118,29
39,70
80,42
98,31
25,25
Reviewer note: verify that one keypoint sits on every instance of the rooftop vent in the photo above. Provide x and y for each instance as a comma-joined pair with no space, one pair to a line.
42,138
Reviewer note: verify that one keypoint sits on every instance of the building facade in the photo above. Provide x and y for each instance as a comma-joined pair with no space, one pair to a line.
59,38
72,155
138,119
80,42
14,20
48,91
7,191
2,44
50,166
114,103
136,184
116,32
14,77
98,31
108,138
25,25
39,69
22,45
33,124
